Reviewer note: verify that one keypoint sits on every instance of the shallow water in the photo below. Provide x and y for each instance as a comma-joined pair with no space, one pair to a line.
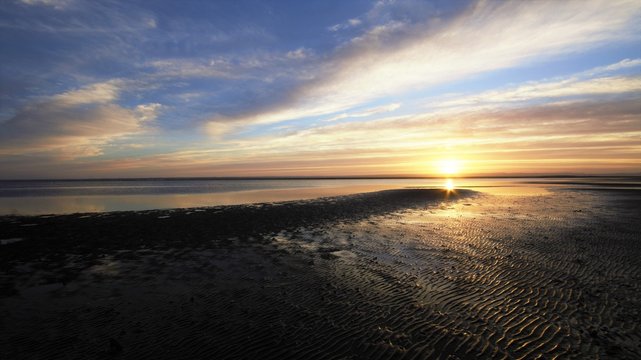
39,197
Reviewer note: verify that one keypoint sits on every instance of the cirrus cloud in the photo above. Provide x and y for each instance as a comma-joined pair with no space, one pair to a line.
396,57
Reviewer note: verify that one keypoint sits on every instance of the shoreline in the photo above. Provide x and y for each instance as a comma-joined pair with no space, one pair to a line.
54,205
86,232
47,198
372,177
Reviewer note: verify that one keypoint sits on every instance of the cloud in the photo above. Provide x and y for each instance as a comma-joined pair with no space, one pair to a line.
564,88
57,4
396,12
261,66
346,25
300,53
400,57
623,64
596,136
580,136
147,112
151,23
491,126
366,113
76,123
99,93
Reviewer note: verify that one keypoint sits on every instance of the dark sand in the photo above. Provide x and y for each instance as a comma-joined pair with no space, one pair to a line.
411,274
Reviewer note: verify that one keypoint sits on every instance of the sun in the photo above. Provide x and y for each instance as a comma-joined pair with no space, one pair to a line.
449,166
449,185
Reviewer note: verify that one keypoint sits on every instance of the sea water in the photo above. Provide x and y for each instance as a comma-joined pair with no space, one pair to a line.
37,197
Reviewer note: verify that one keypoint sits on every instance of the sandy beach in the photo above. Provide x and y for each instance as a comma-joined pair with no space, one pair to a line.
398,274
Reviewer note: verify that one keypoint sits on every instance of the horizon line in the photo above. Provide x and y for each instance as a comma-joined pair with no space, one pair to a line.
330,177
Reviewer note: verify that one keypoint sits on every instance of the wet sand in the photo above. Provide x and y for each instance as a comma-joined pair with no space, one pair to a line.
407,274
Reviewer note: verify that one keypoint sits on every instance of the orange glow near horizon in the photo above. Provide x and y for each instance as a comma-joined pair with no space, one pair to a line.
449,166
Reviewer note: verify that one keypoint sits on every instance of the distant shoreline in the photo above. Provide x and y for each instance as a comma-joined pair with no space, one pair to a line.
373,177
42,197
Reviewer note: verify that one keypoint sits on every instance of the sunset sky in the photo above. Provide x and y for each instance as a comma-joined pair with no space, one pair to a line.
318,88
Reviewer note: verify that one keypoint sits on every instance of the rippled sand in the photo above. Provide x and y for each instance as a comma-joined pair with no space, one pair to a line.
476,276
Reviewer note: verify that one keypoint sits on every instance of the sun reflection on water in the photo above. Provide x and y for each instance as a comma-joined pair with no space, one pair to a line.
449,185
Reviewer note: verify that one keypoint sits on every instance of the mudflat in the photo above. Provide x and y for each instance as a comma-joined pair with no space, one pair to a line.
398,274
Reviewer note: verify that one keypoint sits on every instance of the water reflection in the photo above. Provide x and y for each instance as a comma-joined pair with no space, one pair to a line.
80,204
60,197
515,190
449,185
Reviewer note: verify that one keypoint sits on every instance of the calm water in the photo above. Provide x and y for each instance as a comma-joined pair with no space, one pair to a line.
63,196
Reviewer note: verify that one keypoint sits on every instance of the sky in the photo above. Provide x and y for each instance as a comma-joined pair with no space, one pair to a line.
163,88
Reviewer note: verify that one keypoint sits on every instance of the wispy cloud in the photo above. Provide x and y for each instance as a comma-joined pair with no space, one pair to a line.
299,54
601,80
99,93
76,123
556,137
348,24
623,64
262,66
366,113
545,90
57,4
396,58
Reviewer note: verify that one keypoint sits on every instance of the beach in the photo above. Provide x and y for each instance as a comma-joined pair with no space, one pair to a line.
394,274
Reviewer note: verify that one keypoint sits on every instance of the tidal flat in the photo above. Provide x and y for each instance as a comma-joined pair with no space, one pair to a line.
396,274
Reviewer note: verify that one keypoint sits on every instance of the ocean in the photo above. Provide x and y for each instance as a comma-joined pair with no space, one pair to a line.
38,197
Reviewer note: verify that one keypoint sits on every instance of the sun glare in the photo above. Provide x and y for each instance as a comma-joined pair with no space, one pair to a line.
449,185
449,167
